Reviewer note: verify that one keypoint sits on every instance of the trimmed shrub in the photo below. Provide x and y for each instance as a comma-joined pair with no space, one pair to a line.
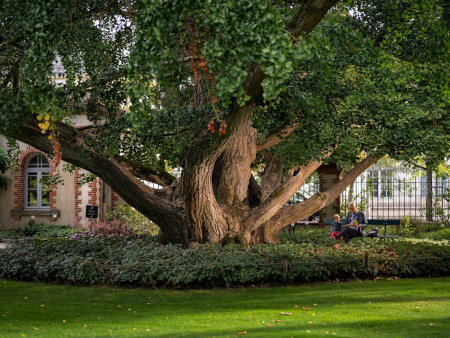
37,230
130,221
143,262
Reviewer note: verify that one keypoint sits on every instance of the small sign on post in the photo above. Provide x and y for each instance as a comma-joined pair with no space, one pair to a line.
91,211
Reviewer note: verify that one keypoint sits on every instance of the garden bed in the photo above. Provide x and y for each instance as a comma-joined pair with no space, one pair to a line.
112,260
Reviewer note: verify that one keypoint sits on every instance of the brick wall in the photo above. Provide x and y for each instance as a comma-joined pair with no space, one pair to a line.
77,199
114,199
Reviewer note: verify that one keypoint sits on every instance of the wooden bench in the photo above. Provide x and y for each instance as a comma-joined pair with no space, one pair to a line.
378,222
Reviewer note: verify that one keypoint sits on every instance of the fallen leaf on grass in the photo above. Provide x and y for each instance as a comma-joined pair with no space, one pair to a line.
242,333
285,313
295,306
306,308
270,325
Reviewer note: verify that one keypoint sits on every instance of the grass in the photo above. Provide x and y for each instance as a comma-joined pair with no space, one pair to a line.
383,308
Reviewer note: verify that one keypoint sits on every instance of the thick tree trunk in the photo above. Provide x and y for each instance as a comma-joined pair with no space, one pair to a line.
206,220
232,171
215,181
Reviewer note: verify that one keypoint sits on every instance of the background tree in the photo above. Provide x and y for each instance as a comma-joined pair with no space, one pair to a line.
226,89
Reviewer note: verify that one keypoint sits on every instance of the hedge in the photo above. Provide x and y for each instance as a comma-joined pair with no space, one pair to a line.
143,262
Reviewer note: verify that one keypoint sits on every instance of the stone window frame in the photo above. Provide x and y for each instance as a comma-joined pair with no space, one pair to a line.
42,166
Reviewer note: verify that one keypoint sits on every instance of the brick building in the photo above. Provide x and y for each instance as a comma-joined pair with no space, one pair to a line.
31,196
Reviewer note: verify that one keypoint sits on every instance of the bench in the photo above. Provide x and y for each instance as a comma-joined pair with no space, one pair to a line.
378,222
385,223
293,226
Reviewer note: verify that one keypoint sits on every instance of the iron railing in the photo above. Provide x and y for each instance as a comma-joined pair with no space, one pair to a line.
392,193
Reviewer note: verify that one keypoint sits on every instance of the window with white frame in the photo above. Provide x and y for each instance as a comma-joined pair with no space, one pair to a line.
37,187
381,183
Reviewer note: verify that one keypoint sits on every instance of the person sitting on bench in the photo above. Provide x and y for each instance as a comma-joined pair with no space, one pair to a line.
336,226
355,223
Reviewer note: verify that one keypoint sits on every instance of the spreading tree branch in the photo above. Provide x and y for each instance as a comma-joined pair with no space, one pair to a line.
279,136
295,212
145,172
259,215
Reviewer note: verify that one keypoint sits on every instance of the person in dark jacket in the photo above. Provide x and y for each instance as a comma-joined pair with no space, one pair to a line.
355,222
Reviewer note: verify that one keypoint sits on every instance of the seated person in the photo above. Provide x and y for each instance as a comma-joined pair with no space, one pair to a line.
336,226
356,222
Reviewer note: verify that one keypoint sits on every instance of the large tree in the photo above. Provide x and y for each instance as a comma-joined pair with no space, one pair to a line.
249,98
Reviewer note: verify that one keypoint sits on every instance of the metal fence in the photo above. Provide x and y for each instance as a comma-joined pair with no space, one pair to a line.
392,192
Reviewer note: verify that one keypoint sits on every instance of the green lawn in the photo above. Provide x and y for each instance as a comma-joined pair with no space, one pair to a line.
384,308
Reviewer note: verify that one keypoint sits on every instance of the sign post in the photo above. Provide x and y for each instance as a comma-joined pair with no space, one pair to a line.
91,212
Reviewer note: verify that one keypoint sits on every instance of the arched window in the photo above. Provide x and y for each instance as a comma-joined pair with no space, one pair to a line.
37,187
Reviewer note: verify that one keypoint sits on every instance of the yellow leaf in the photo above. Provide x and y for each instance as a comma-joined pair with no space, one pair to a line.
47,117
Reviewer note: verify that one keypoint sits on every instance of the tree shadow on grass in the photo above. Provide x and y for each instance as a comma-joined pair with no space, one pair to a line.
429,327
